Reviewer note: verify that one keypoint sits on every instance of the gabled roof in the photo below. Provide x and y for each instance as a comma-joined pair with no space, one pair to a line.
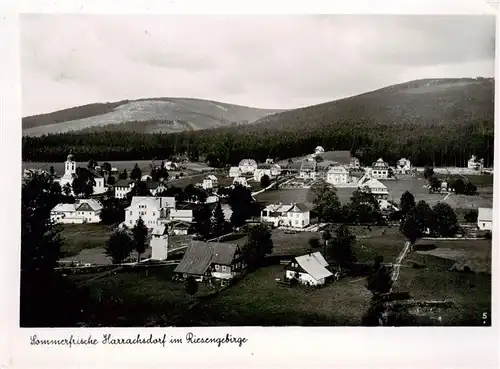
234,169
153,202
124,182
199,255
337,170
211,177
370,182
485,214
308,165
196,260
88,205
314,264
64,208
247,162
299,208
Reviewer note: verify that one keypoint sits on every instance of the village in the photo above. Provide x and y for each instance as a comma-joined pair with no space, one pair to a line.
213,229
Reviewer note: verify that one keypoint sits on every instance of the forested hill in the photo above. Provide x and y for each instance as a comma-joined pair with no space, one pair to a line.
144,116
433,121
426,102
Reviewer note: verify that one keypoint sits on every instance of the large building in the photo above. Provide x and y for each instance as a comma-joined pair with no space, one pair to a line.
153,210
292,215
403,166
82,211
373,185
485,219
380,169
247,166
70,173
337,175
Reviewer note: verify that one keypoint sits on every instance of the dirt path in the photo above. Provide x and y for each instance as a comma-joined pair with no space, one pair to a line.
399,260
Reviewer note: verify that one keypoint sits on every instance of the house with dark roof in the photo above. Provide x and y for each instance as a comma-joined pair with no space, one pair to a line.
207,260
310,269
292,215
308,169
123,187
155,187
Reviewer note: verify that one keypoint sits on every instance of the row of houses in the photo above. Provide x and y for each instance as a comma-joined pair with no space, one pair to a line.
219,261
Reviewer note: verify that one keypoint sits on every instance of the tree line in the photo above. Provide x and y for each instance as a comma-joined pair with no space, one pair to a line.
437,143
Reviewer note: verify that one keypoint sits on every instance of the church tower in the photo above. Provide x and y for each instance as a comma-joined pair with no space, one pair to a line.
69,167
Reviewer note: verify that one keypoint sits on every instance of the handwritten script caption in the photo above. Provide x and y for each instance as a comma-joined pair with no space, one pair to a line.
164,340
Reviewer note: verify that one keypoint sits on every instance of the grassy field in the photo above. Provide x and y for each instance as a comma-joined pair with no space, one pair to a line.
470,293
135,297
259,300
77,237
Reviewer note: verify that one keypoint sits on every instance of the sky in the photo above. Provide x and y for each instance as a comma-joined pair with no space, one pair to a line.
264,61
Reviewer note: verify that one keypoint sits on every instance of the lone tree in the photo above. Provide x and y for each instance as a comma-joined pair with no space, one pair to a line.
52,171
364,208
106,167
240,200
407,202
434,183
471,216
428,172
446,223
379,281
424,217
48,299
113,211
327,205
313,243
459,186
265,181
78,185
259,245
136,173
123,175
119,246
340,246
191,286
410,227
217,221
140,235
202,221
111,180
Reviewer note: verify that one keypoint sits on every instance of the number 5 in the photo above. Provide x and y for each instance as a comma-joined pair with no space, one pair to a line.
485,316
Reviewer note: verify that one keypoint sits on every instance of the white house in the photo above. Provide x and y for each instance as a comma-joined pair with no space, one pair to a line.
234,172
247,166
123,187
380,169
475,164
373,185
275,170
146,177
337,175
70,174
152,210
403,166
241,181
82,211
210,182
319,150
293,215
308,169
179,228
159,243
261,172
169,165
155,187
310,269
485,219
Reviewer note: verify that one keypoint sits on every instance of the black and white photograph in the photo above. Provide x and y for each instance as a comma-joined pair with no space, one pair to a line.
305,170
